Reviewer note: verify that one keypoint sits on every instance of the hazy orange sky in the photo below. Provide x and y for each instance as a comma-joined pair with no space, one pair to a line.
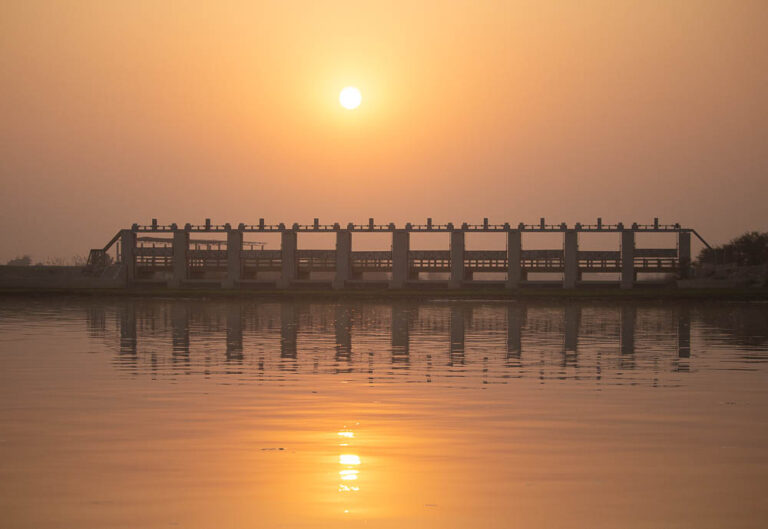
116,112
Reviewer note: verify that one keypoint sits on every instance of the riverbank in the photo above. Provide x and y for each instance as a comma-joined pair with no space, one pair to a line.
586,293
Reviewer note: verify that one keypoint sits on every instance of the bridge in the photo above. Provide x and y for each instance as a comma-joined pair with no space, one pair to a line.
179,257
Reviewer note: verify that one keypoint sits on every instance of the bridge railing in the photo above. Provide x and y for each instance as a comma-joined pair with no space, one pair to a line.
656,260
599,261
317,260
429,260
485,260
254,261
372,261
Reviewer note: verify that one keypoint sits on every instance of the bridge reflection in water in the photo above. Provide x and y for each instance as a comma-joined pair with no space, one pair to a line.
491,342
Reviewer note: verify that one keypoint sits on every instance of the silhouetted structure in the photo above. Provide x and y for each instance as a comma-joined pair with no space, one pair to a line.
179,260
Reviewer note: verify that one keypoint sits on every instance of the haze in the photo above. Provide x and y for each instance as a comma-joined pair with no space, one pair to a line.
117,112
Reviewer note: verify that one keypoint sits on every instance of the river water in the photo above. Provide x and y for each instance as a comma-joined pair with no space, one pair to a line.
242,414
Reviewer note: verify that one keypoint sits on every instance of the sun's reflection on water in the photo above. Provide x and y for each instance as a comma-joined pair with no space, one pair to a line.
349,472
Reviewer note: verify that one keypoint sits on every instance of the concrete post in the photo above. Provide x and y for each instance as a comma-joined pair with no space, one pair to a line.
684,253
180,250
514,258
457,259
289,257
234,258
571,258
343,258
400,247
627,259
128,250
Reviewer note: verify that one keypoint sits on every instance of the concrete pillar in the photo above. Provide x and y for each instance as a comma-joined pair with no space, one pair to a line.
627,259
400,247
457,259
571,258
343,258
289,256
180,250
514,258
128,251
684,253
234,258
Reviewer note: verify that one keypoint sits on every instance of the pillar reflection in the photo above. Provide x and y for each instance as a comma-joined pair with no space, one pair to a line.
343,331
401,316
458,322
96,321
627,333
627,336
180,332
572,324
234,352
127,357
684,332
516,315
289,330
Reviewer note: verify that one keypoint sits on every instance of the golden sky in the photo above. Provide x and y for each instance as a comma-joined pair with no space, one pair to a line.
117,112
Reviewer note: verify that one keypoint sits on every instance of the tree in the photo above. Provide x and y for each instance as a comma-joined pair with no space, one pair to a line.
748,249
24,260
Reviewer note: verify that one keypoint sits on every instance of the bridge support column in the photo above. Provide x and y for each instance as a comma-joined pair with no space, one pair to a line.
457,259
128,254
514,258
289,257
684,253
400,248
571,259
234,261
343,258
627,259
180,251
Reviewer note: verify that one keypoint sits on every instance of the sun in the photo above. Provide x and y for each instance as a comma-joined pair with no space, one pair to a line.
350,98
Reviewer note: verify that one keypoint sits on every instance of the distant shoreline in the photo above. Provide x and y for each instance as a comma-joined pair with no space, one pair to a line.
720,294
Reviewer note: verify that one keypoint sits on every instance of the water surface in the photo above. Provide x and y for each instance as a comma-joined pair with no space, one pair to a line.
211,413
